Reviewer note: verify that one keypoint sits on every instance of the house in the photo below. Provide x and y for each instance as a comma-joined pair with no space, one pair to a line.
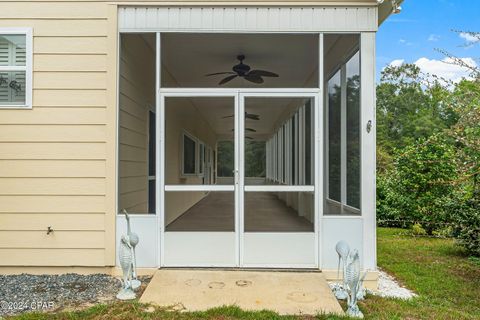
237,134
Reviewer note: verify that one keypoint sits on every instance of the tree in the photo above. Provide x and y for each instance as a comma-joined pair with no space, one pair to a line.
409,107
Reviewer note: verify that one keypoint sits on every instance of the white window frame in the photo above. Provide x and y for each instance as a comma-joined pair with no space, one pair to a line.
151,113
195,173
27,68
201,158
345,209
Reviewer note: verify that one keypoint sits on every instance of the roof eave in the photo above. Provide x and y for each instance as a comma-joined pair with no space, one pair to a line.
385,10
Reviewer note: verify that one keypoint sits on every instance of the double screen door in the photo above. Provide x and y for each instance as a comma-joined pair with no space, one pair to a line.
239,178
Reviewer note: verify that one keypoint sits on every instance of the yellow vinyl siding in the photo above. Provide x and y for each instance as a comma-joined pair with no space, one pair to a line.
72,80
75,10
56,240
57,162
51,203
69,98
55,116
52,186
53,133
71,62
74,45
37,222
54,150
53,257
52,168
67,27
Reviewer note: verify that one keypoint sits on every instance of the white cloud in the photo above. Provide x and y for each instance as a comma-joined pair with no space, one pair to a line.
405,42
468,37
396,63
434,37
445,69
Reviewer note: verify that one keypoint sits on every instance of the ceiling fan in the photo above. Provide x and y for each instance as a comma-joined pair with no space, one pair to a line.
243,71
250,116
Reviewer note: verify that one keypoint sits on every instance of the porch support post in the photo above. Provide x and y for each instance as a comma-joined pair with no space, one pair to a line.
319,141
368,149
159,183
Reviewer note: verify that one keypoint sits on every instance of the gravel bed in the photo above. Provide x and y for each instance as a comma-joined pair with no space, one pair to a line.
26,292
388,287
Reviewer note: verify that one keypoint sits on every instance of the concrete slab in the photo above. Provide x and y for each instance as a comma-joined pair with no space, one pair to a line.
282,292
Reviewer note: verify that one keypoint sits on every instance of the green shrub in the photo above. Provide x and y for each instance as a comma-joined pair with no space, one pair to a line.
418,230
465,217
418,187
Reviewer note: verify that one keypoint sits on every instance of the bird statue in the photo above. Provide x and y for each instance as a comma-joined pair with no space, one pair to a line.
343,249
125,256
134,239
353,281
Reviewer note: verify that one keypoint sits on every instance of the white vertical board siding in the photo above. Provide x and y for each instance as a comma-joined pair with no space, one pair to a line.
335,229
146,227
247,19
368,145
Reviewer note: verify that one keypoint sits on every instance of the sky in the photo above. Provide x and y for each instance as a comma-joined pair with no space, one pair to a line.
423,26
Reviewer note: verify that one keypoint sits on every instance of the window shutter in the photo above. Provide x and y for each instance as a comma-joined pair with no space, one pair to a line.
19,96
4,76
4,81
20,55
4,56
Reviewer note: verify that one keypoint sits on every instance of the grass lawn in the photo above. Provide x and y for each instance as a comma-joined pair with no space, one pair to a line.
446,280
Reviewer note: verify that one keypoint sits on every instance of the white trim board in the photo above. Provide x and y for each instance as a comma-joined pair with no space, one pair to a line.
247,19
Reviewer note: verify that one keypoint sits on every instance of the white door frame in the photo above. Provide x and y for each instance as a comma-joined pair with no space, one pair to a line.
239,95
162,188
316,95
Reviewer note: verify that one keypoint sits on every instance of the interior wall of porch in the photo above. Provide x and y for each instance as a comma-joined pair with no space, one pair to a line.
176,203
136,98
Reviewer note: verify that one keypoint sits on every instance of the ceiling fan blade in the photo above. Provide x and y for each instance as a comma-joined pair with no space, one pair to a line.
231,116
263,73
248,129
252,116
253,78
229,78
249,138
217,73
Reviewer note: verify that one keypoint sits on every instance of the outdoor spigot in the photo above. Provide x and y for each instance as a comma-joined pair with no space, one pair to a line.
369,126
49,230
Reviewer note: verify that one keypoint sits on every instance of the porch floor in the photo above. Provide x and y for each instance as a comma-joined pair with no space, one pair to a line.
283,292
264,212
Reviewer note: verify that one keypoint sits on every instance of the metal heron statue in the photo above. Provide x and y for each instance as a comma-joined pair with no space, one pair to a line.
353,281
134,239
125,256
343,249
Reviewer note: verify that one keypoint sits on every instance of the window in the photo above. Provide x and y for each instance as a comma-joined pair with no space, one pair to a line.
291,149
201,158
343,133
353,131
151,161
189,155
334,137
15,68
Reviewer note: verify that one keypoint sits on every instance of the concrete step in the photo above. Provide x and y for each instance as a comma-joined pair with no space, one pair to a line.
283,292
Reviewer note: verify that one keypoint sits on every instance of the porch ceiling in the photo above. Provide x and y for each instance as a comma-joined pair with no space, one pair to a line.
187,58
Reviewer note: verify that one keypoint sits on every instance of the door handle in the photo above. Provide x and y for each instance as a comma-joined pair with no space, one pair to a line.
236,177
